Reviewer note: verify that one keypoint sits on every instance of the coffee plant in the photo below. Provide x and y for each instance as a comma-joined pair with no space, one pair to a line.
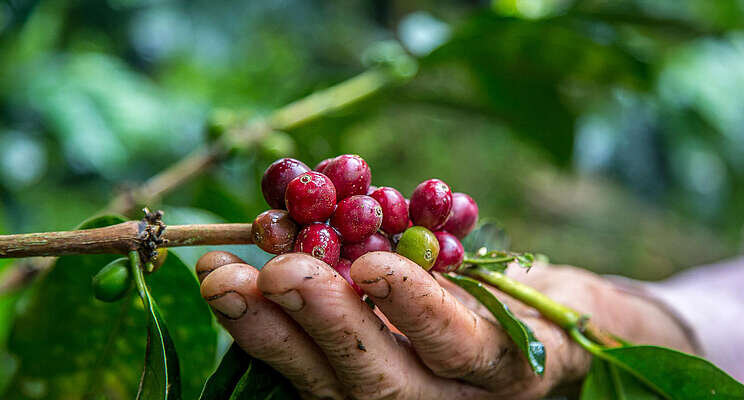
147,306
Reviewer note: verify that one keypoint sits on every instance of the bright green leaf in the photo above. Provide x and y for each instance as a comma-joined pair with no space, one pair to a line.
675,375
520,333
608,382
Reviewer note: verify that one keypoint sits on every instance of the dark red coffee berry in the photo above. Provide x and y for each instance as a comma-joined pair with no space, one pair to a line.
277,176
394,210
310,198
350,174
274,231
357,218
451,252
344,269
464,215
320,241
321,165
376,242
431,204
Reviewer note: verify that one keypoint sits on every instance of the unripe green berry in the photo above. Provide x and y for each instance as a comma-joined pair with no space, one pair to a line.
113,281
419,245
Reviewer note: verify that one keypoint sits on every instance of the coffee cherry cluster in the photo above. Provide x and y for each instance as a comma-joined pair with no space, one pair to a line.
335,215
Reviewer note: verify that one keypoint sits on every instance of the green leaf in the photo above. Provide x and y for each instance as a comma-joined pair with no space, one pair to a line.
608,382
674,374
489,235
240,377
260,382
161,378
71,346
190,320
520,333
226,376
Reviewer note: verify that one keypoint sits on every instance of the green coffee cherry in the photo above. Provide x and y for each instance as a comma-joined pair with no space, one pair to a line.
113,281
419,245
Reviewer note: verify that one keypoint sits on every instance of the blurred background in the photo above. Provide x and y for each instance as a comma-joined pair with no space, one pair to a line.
608,135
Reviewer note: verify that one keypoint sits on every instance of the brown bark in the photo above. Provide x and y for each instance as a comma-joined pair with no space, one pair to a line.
118,239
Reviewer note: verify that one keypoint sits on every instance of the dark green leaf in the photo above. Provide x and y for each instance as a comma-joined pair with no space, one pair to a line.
608,382
260,382
92,341
223,380
72,346
190,320
161,378
240,377
675,375
520,333
489,235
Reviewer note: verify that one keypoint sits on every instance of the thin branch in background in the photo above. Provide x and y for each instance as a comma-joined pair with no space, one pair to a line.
238,135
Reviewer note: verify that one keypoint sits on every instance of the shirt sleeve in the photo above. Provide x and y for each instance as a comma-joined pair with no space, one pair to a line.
709,303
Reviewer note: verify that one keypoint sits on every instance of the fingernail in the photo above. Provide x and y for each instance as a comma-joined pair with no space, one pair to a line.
230,304
290,300
378,287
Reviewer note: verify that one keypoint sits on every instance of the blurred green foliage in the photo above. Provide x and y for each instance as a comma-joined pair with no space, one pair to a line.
604,134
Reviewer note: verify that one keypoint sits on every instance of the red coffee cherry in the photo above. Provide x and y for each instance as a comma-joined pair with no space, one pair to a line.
464,215
274,231
451,252
350,175
394,210
344,269
320,241
277,176
376,242
310,197
321,165
431,204
357,218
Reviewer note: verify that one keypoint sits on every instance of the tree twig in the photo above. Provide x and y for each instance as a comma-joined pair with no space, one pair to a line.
119,239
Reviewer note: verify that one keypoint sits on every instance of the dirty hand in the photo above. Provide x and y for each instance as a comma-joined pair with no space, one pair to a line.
427,339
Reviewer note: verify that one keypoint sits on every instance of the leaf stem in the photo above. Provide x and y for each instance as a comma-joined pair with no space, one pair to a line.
584,342
486,261
565,317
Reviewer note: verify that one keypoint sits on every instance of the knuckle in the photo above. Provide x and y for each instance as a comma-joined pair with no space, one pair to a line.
459,364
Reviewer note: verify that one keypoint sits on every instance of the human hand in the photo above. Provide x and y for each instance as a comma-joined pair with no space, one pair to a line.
302,318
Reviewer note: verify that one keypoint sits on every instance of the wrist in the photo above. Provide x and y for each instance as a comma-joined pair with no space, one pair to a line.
644,318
